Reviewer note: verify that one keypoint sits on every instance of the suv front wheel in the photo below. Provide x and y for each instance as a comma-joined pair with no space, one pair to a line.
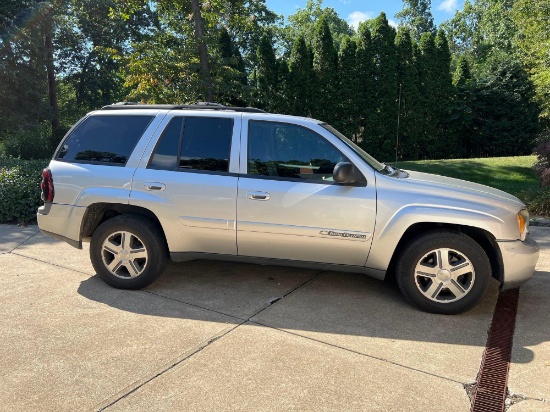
443,272
128,252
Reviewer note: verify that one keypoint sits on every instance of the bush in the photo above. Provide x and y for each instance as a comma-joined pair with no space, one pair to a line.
29,144
542,166
20,189
538,201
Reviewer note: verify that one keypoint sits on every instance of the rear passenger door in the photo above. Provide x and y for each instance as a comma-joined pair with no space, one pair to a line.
185,178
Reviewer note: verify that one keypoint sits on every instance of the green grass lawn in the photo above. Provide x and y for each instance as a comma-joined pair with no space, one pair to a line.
511,174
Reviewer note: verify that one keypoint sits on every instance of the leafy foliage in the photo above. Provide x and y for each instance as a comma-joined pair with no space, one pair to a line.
20,189
30,144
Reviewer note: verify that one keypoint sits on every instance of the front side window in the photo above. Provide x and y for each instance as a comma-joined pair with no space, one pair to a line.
104,139
290,151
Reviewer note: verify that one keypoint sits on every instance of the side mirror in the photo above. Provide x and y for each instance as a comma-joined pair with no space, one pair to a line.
345,173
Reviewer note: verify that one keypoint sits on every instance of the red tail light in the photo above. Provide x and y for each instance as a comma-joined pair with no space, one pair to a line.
47,185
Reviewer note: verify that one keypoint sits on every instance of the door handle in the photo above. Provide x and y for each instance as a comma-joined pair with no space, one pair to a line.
258,195
154,186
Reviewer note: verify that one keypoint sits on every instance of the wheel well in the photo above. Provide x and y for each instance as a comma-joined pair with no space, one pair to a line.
98,213
485,239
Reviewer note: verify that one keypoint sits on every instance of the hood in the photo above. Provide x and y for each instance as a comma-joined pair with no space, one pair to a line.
463,189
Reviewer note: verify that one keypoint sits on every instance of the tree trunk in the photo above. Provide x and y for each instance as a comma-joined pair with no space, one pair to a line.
48,46
203,54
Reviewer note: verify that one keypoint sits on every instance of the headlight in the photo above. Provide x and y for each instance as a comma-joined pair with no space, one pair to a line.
523,223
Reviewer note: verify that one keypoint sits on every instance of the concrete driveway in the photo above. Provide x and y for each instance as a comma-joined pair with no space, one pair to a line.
211,336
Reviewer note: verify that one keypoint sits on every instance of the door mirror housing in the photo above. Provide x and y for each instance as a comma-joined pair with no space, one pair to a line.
345,173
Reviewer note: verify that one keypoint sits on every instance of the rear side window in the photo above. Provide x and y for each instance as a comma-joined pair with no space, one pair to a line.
104,139
206,145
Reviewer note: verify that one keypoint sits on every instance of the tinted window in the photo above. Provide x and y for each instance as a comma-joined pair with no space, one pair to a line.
206,143
286,150
166,152
107,139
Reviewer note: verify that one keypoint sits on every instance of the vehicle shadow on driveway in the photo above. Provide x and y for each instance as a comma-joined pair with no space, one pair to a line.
320,305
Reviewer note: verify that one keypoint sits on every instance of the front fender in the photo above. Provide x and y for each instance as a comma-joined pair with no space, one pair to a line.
388,234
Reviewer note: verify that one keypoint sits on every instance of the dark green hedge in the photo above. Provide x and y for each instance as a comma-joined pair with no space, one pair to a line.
20,189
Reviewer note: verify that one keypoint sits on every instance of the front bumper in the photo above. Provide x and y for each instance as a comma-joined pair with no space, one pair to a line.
519,260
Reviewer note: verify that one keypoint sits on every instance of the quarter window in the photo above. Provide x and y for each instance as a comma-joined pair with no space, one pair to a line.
290,151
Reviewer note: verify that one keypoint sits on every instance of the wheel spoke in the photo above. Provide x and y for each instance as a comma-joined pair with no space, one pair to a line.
434,289
462,269
125,239
443,258
456,289
110,246
132,268
114,265
140,253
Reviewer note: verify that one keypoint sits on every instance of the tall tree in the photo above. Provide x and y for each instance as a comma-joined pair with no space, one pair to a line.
366,81
383,139
533,39
445,139
429,106
408,98
506,115
304,22
325,68
23,78
348,110
266,73
416,15
203,52
228,73
301,79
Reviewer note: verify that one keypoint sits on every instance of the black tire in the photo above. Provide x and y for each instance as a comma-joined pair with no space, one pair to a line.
134,245
443,272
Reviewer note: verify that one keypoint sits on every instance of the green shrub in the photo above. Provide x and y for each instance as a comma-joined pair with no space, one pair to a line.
538,201
20,189
29,144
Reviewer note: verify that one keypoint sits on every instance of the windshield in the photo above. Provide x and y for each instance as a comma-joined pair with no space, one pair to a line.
375,164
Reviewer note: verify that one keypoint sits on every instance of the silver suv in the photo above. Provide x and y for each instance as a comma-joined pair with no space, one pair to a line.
145,183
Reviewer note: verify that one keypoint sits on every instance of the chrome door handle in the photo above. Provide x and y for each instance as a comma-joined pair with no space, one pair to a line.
258,195
154,186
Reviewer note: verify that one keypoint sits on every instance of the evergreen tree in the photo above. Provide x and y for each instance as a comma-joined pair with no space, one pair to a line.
462,73
348,110
282,100
325,67
408,98
417,16
428,105
462,116
266,73
366,100
301,79
382,141
505,113
230,80
446,143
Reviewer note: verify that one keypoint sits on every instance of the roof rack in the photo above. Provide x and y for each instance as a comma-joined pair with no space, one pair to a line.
196,106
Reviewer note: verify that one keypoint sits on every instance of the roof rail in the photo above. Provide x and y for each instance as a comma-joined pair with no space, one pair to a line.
196,106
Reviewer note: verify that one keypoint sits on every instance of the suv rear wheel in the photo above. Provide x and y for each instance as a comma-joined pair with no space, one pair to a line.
128,252
443,272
